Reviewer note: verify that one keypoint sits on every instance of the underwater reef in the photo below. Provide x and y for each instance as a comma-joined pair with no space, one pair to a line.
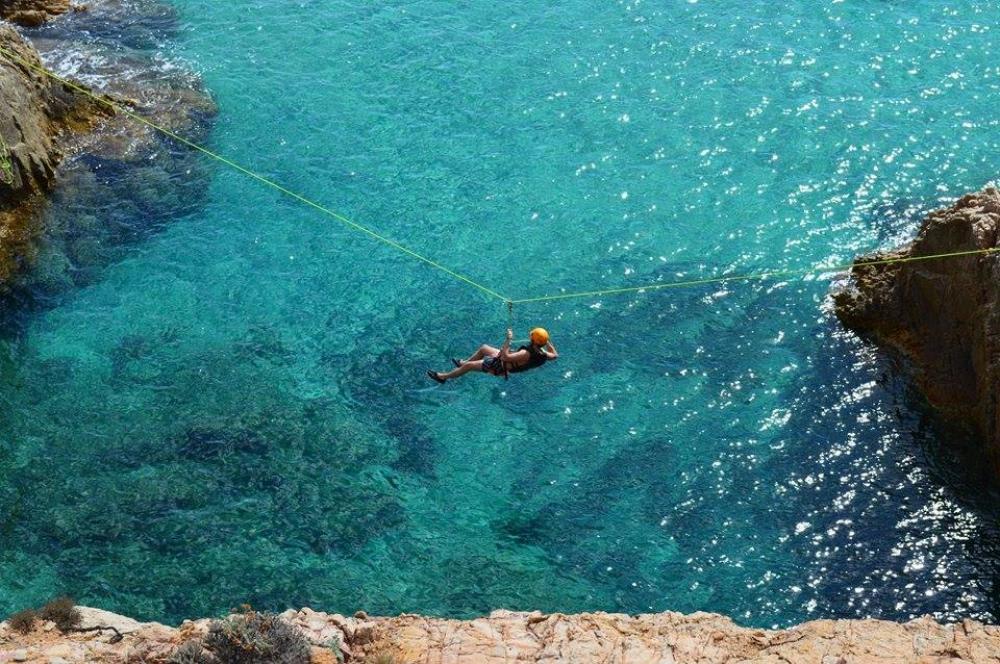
942,314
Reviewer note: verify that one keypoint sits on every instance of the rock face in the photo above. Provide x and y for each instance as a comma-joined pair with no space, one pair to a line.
941,313
38,115
503,637
32,13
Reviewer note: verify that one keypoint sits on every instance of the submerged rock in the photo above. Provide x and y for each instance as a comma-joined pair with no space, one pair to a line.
943,313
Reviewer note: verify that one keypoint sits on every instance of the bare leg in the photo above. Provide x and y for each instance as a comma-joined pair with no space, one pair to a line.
484,351
475,365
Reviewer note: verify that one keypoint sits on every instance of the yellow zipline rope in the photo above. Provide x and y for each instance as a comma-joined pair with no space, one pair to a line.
749,277
260,178
410,252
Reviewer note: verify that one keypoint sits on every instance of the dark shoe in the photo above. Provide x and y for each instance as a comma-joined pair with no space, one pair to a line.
435,376
457,362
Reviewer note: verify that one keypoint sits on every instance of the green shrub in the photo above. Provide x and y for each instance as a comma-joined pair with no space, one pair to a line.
63,612
191,652
23,621
257,638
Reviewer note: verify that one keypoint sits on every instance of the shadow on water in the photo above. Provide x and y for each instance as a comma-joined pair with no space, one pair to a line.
953,455
898,521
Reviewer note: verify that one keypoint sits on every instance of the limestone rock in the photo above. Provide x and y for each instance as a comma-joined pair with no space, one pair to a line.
941,313
91,618
505,636
59,651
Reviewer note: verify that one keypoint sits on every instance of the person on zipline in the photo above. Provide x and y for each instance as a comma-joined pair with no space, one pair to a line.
502,361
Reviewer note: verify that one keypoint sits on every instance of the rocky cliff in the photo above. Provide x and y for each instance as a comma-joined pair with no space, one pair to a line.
503,637
943,314
37,118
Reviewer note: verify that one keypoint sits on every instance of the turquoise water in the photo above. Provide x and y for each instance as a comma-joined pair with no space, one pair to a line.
234,409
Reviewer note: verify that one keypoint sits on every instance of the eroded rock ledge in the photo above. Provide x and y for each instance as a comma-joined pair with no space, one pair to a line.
943,314
505,636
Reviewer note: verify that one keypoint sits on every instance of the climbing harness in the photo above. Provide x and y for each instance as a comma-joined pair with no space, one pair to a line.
493,294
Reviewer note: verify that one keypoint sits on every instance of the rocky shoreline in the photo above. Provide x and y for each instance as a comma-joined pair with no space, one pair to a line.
506,636
42,116
85,182
942,314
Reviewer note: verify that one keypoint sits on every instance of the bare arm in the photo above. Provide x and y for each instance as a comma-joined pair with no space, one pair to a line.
505,348
550,351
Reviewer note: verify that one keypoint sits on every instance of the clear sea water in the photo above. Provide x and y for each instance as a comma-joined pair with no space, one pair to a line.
235,410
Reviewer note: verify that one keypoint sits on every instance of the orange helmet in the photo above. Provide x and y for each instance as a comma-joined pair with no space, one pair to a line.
539,336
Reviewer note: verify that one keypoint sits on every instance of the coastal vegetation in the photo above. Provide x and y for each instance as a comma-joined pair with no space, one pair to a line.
62,612
249,637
